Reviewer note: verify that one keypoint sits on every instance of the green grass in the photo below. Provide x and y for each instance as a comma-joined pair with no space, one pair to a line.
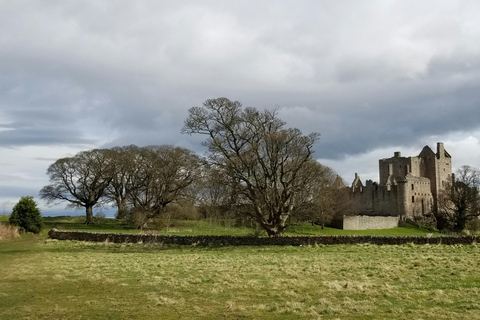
214,227
308,229
77,224
47,279
207,227
4,218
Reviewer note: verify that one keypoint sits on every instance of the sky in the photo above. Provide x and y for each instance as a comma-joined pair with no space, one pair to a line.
372,77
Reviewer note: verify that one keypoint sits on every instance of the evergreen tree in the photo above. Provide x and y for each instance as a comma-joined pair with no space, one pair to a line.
26,216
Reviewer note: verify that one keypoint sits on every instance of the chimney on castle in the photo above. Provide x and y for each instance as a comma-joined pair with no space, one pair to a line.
397,154
440,150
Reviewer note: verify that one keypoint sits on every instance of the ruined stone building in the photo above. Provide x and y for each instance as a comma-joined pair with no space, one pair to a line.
408,187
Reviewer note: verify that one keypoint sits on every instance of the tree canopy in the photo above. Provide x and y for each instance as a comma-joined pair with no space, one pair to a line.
26,216
160,175
140,181
80,180
460,199
264,159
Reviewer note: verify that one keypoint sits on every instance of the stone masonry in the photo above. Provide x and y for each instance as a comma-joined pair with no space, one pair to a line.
408,187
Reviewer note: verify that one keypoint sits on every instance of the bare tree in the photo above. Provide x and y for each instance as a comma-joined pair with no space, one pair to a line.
121,163
460,201
80,180
257,152
160,175
214,192
324,198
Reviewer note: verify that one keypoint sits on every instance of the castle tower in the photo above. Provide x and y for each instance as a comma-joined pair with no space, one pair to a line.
437,167
443,172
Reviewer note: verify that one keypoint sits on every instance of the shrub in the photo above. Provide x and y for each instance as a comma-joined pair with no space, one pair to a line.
8,232
26,216
100,217
473,226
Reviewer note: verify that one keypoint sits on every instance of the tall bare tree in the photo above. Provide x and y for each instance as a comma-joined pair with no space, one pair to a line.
214,192
324,198
160,175
255,150
460,200
80,180
122,161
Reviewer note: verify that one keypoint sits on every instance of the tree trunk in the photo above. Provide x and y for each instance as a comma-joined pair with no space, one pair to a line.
460,224
89,214
275,225
121,211
143,220
274,229
273,232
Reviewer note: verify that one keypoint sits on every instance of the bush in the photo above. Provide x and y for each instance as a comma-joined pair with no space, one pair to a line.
100,217
26,216
8,232
473,226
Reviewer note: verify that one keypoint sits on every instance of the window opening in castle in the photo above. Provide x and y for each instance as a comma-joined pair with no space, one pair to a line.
413,199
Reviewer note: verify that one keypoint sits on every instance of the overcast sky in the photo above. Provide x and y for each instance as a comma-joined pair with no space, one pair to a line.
372,77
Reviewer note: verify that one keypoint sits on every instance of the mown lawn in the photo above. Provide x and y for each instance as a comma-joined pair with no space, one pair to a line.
48,279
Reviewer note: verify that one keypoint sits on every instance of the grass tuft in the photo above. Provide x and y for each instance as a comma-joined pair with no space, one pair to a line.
8,232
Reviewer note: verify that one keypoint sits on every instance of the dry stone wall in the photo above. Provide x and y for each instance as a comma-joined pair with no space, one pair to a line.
255,241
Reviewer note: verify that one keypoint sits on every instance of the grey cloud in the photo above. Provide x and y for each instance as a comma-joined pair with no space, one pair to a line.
361,78
13,192
42,137
45,159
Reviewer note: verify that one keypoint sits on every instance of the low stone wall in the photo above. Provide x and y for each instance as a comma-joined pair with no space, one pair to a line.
369,222
254,241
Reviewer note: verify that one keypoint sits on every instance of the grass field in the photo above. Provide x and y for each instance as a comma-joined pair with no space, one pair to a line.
47,279
213,227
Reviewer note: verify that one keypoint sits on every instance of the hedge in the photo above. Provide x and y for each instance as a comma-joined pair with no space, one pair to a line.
256,241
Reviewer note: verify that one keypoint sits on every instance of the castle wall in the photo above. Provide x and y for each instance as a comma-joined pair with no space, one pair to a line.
397,167
375,199
369,222
418,196
385,201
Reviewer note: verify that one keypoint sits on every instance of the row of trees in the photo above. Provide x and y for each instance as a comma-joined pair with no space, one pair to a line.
143,180
254,166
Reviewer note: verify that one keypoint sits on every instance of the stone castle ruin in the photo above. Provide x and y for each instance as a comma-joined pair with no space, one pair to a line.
409,187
